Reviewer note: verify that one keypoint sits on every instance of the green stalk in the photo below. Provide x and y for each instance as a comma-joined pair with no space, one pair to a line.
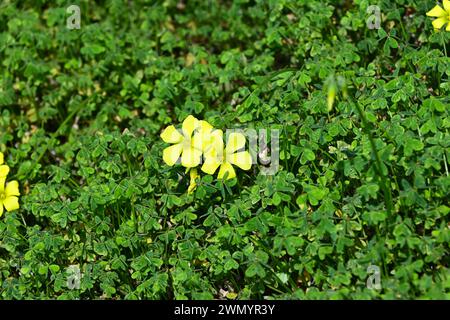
443,44
382,181
378,165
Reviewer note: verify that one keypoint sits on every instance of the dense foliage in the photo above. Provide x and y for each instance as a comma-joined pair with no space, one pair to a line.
82,110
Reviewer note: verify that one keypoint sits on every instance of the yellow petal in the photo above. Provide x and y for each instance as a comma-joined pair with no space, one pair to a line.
209,143
1,208
2,158
201,140
235,142
172,154
4,170
189,125
205,126
241,159
215,144
191,157
12,189
171,135
11,203
202,136
193,177
211,164
446,4
226,167
437,11
448,27
439,22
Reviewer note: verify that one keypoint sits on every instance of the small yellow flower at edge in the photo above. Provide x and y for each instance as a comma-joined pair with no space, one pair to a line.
4,169
442,15
9,195
217,156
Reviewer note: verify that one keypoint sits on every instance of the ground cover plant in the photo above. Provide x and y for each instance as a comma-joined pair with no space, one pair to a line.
93,207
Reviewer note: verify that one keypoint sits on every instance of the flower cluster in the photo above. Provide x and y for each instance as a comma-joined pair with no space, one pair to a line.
199,143
9,192
442,15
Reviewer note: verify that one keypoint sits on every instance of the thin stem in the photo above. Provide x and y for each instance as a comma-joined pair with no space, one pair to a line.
445,164
443,43
384,183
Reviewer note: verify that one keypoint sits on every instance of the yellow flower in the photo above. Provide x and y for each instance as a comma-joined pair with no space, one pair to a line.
442,15
202,138
216,155
197,139
184,144
9,195
193,173
4,169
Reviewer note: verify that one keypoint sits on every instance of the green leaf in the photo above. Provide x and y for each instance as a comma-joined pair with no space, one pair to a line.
307,155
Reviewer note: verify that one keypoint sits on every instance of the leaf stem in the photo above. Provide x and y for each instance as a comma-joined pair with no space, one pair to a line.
378,164
443,43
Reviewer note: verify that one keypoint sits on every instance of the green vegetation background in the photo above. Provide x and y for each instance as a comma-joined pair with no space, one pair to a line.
80,117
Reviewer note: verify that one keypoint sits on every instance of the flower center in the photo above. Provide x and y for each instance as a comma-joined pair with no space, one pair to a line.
187,143
221,157
2,196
